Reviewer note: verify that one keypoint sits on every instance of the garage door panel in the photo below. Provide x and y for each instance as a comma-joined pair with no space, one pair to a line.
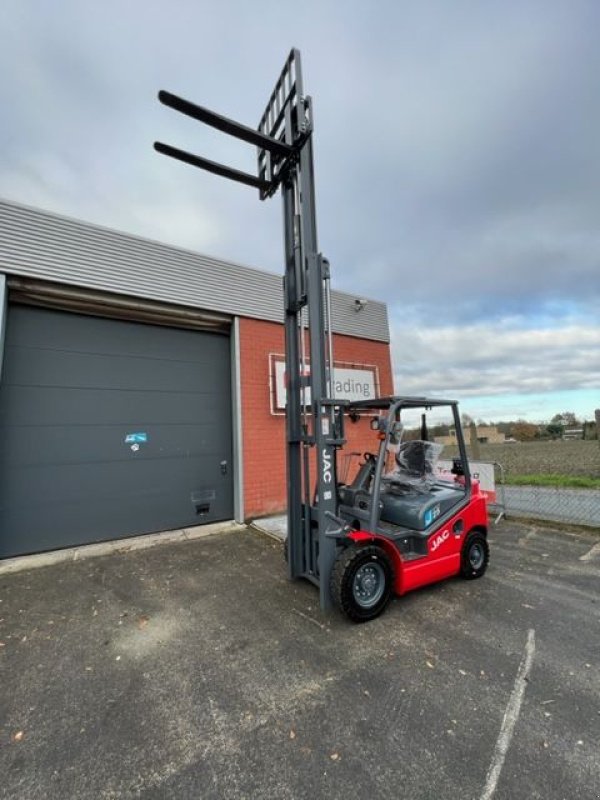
117,407
42,367
119,338
69,481
87,444
85,512
68,472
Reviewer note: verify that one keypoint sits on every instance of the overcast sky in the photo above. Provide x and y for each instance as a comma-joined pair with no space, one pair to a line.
457,155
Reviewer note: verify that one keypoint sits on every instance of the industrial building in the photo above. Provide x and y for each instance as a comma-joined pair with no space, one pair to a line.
142,386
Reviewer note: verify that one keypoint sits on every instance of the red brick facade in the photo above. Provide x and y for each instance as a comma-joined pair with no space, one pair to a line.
264,433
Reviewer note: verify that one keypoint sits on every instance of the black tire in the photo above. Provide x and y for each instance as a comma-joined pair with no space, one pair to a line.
362,580
475,556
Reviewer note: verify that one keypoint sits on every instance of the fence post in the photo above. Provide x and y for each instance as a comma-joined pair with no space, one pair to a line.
474,442
500,494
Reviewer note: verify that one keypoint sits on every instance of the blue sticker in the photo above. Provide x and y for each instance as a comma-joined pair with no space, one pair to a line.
136,438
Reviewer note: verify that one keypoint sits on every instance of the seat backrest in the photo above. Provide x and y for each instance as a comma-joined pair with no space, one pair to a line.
417,458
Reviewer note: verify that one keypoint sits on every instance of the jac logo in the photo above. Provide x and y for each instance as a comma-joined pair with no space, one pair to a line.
327,471
439,539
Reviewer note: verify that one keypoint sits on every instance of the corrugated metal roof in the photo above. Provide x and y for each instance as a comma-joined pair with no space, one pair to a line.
47,246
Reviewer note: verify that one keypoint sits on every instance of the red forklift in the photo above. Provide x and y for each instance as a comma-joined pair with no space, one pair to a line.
400,524
410,525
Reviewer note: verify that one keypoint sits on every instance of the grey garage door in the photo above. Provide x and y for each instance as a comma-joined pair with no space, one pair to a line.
109,429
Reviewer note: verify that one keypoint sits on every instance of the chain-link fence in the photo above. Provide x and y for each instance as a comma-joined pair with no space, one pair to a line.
574,506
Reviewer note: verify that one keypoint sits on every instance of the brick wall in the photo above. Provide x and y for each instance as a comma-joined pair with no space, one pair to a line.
264,434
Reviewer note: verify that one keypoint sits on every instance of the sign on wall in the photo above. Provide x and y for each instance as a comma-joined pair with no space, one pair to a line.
350,382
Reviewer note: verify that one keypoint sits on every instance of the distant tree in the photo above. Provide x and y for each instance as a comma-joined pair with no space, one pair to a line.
411,434
524,431
466,420
440,430
555,429
567,418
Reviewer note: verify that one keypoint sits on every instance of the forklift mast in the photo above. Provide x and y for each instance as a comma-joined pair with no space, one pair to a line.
314,420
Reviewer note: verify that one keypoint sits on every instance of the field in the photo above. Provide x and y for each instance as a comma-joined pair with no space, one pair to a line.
573,458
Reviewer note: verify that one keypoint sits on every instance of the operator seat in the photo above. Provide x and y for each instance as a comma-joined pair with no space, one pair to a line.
416,459
411,497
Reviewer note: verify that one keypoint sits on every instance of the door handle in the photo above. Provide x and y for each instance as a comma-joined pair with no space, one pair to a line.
223,468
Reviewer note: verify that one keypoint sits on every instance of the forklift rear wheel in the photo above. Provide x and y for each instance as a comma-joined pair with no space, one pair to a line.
475,556
361,582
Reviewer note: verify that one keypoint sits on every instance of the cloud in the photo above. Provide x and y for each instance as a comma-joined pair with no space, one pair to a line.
472,176
495,359
456,155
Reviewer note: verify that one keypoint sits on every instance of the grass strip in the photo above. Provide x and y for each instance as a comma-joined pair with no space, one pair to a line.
551,479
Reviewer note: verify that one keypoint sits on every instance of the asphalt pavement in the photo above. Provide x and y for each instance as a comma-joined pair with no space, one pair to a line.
196,670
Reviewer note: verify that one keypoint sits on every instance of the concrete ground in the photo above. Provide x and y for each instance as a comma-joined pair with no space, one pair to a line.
195,670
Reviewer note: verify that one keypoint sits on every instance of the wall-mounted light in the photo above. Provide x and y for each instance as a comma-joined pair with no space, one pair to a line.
359,304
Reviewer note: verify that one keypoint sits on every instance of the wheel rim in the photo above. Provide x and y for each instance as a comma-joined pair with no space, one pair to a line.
476,556
368,585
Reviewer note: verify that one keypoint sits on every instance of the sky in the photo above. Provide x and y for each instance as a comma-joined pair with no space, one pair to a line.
457,163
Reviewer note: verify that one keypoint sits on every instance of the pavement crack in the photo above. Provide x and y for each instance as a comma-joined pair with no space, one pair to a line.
311,619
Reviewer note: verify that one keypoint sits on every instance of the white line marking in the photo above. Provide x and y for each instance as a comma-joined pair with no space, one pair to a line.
591,553
511,715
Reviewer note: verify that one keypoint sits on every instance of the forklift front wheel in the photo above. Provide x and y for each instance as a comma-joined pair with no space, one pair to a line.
361,582
475,556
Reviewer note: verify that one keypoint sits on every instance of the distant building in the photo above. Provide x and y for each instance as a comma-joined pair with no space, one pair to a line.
573,433
486,434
